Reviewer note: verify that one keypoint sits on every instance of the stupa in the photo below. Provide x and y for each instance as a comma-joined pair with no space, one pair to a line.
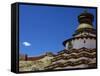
80,50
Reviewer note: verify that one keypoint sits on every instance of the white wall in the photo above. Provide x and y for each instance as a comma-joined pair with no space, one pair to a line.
79,43
5,19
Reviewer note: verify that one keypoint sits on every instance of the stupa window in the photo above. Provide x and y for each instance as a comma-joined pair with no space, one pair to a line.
70,45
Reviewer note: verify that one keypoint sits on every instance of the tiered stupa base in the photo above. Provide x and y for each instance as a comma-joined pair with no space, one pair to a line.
74,58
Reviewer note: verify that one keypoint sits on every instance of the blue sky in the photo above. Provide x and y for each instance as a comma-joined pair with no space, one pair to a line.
43,28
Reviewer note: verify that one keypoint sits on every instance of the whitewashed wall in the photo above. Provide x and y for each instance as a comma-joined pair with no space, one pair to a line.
79,43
